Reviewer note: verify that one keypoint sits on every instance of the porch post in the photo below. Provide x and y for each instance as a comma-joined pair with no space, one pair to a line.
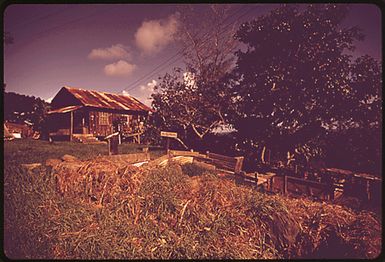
71,124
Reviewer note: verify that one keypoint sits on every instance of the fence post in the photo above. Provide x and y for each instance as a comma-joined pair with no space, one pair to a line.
331,191
71,124
109,146
270,184
256,179
168,143
238,165
113,143
285,184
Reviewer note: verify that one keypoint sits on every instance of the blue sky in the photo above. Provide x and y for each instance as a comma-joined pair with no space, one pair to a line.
111,47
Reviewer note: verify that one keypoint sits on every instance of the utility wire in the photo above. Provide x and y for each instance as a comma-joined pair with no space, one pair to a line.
179,54
39,34
175,57
23,22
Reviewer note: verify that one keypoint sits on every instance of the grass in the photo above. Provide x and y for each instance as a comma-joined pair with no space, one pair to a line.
162,213
28,151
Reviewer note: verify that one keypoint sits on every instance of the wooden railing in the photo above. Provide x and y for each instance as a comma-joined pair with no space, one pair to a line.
233,164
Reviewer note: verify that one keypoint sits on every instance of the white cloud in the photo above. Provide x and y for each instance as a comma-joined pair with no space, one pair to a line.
189,79
125,93
145,92
49,100
152,36
120,68
113,52
149,87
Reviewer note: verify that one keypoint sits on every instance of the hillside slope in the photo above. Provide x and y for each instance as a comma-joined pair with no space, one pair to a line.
102,209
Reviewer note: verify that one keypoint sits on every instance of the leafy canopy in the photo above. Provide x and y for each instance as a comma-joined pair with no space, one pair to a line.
294,78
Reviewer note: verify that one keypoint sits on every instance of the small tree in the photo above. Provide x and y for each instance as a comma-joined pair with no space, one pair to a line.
193,101
180,105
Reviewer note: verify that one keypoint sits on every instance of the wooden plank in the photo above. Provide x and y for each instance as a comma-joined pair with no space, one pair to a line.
204,165
225,171
239,164
249,175
183,153
158,160
285,191
111,135
202,157
130,158
223,164
182,159
222,157
307,182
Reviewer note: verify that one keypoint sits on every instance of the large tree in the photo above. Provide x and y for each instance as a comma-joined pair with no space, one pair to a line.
356,142
294,78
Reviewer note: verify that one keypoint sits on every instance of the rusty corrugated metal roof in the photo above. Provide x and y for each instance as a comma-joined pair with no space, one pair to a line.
107,100
64,109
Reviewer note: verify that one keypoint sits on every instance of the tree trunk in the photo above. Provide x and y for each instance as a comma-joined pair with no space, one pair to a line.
263,154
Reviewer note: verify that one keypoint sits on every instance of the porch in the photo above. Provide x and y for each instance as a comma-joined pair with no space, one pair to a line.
78,123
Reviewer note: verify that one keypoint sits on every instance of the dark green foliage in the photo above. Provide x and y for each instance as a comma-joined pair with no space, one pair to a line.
293,75
358,139
19,108
297,86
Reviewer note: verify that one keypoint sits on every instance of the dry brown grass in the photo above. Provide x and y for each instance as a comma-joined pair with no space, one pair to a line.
101,209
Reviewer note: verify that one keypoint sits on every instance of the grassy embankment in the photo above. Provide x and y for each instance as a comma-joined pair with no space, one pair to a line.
175,212
26,151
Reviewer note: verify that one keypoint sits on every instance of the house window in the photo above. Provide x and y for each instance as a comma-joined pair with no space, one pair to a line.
103,119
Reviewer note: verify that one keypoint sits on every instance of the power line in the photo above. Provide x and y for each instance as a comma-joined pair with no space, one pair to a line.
40,18
39,34
178,55
60,26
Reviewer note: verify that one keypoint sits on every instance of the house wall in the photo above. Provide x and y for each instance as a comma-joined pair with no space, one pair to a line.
100,123
103,123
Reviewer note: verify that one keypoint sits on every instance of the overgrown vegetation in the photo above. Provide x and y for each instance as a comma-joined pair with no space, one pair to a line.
110,210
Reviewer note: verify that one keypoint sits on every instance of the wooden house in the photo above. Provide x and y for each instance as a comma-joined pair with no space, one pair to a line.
78,114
